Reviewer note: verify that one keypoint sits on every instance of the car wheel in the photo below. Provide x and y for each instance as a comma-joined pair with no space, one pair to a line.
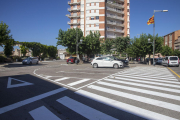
95,65
116,66
178,66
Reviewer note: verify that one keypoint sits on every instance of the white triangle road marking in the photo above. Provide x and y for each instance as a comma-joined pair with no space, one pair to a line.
17,85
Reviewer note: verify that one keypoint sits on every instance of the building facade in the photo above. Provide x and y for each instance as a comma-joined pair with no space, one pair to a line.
173,40
110,17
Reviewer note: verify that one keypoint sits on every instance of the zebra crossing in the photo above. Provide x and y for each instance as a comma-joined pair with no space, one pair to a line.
144,93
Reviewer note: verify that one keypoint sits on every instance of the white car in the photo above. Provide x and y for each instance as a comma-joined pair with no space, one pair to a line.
106,62
171,61
30,60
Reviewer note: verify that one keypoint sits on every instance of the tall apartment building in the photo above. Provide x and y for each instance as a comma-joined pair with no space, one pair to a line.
110,17
173,40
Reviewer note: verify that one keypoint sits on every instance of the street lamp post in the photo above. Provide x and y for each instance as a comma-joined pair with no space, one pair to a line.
154,32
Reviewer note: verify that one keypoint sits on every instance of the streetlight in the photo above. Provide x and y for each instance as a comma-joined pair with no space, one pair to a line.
154,31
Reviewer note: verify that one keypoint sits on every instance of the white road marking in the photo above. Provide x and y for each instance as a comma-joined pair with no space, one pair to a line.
42,113
30,100
150,101
144,85
159,94
125,107
84,110
148,79
64,78
148,82
151,76
78,82
17,85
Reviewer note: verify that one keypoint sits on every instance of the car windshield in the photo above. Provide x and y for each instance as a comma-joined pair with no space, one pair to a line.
173,58
112,57
71,57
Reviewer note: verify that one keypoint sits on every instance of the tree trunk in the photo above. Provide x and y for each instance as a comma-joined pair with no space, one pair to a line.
149,60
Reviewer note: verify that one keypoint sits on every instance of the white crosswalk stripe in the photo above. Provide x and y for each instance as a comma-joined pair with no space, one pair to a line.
84,110
64,78
78,82
42,113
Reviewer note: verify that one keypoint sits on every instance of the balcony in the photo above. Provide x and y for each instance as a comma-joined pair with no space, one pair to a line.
115,30
116,24
113,36
115,17
73,23
114,10
73,16
73,3
113,4
74,9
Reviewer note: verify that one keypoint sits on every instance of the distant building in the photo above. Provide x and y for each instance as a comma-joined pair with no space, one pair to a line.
110,17
62,53
173,40
17,52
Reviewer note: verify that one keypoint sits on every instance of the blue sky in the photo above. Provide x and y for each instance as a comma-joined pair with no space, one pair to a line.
40,20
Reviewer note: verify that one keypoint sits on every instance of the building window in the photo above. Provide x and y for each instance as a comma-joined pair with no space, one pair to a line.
87,11
97,11
87,4
74,6
82,12
97,4
92,25
87,26
87,18
97,25
97,17
92,4
92,11
92,18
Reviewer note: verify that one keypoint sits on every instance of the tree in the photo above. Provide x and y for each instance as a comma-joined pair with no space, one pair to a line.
68,39
52,51
166,51
91,44
176,53
24,50
121,44
8,48
4,34
106,46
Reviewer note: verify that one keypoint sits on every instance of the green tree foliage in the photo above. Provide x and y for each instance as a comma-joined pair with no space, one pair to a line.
106,46
68,39
24,50
166,51
8,48
91,44
176,53
4,34
121,44
52,51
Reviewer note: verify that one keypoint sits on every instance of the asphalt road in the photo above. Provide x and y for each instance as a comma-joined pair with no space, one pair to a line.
55,90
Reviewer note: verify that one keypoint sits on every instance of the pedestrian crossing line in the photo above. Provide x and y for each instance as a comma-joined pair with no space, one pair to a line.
84,110
125,107
151,76
78,82
152,68
149,79
148,73
64,78
150,101
148,82
159,94
144,85
42,113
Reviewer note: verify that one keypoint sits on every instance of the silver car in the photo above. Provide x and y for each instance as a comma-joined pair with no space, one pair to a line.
30,60
171,61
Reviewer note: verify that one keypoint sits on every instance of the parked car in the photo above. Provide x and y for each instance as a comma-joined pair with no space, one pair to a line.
171,61
159,61
126,62
71,60
30,60
106,62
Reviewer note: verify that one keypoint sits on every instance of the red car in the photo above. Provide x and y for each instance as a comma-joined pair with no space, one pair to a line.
71,60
